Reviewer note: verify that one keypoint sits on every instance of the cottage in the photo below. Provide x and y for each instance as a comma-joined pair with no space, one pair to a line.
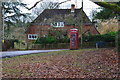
59,20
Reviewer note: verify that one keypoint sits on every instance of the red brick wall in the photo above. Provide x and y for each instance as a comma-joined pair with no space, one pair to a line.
92,29
43,30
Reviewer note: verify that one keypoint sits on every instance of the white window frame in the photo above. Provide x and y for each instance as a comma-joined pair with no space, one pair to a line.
31,38
58,24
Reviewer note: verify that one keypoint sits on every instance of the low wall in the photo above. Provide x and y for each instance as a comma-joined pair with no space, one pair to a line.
50,46
66,45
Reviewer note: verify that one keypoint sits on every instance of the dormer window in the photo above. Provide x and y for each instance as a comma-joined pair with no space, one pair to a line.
58,24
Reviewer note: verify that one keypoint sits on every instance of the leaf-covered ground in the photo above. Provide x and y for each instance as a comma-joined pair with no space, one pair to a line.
86,63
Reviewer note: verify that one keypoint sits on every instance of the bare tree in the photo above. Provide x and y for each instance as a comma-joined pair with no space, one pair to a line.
55,4
33,5
46,5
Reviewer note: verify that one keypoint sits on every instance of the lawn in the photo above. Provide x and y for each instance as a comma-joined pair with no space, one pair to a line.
84,63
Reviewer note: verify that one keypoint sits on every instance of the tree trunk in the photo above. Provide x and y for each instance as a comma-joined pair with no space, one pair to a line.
1,37
1,26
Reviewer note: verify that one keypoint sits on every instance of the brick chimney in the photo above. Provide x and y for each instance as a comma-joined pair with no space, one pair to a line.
72,8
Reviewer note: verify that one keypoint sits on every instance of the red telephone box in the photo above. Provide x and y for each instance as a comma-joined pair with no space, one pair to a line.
73,39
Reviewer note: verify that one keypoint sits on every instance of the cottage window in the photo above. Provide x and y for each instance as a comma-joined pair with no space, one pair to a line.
32,36
58,24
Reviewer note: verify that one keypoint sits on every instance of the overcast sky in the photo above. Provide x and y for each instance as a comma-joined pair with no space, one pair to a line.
88,6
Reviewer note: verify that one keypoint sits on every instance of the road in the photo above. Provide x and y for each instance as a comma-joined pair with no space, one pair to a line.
7,54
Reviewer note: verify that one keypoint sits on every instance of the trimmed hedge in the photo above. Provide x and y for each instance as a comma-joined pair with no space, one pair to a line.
109,37
50,40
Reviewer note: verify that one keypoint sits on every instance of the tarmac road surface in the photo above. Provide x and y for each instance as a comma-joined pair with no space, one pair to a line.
8,54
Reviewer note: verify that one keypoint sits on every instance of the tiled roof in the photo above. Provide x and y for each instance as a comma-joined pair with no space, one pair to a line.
49,13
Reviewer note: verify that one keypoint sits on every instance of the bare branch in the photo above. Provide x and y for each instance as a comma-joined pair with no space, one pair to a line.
112,6
33,5
61,3
42,0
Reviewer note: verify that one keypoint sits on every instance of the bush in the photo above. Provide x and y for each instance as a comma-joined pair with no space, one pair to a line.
45,40
50,40
8,44
63,40
109,37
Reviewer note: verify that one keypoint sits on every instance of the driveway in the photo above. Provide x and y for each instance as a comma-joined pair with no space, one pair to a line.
6,54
